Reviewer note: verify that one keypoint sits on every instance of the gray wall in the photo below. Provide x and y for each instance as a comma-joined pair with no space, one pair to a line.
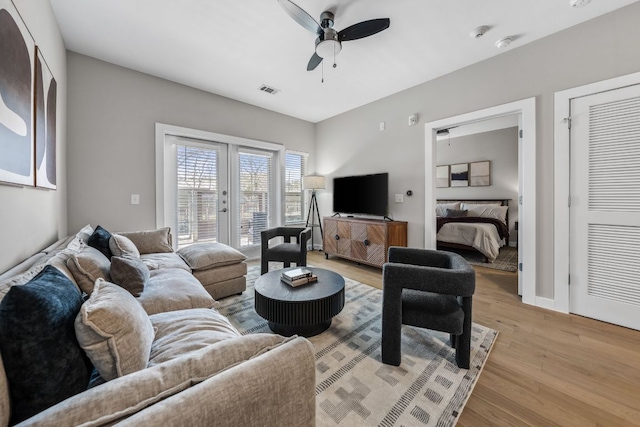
498,146
351,143
112,115
31,219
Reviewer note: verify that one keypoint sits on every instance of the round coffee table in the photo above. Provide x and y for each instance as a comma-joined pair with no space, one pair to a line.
305,310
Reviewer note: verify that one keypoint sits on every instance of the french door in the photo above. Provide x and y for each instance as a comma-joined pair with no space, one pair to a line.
218,192
605,206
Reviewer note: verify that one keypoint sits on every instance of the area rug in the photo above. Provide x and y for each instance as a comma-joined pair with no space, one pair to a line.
353,386
507,259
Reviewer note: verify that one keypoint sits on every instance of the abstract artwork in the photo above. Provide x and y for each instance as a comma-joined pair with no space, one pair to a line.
480,174
460,175
17,50
442,176
45,124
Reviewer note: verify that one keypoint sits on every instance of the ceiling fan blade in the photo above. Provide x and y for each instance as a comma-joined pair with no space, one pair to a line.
300,16
364,29
314,62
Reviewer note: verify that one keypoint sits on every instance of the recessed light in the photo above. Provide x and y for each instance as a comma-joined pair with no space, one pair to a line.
502,43
578,3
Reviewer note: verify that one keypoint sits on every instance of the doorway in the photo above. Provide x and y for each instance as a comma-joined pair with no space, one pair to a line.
527,179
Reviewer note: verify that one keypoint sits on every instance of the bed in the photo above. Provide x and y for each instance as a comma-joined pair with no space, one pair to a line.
477,225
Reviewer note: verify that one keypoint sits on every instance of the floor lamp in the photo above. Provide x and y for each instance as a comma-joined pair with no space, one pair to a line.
313,183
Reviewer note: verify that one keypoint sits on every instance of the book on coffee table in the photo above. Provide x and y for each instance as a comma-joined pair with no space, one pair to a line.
300,281
296,273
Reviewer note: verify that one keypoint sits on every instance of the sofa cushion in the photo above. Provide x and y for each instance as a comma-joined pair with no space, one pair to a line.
114,331
121,246
87,266
185,331
125,396
164,260
172,289
151,241
42,358
129,273
220,274
202,256
100,240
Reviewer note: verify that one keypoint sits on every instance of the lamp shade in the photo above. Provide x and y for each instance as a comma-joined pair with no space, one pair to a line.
313,182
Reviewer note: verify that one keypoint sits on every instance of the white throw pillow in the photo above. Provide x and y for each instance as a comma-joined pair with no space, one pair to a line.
114,330
487,211
441,208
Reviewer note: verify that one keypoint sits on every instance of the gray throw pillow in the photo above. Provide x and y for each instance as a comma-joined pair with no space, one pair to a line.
129,273
123,246
87,266
151,241
455,213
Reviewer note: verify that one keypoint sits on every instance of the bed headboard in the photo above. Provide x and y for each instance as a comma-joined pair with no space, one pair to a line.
501,202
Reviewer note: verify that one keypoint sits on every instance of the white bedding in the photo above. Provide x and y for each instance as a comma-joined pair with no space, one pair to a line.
480,236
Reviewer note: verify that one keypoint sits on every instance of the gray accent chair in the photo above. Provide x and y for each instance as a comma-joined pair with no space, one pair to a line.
428,289
286,252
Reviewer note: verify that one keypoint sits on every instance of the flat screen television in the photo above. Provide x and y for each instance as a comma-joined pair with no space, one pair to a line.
363,194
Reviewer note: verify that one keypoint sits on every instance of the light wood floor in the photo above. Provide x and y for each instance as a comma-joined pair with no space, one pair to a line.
546,368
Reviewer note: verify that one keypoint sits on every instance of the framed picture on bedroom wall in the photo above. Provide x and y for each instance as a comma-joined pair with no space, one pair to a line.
480,174
442,176
16,98
460,175
45,124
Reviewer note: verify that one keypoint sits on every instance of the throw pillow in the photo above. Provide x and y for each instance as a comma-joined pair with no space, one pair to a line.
114,331
100,240
43,360
151,241
203,256
455,213
87,266
129,273
121,246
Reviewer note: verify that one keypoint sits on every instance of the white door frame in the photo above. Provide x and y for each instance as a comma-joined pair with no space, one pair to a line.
527,176
562,162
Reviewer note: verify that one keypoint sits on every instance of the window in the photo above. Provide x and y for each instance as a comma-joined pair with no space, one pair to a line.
295,169
255,173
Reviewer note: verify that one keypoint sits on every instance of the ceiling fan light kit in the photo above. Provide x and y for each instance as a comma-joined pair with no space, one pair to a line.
329,41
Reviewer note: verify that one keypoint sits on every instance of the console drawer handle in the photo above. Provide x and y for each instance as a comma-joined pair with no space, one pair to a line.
367,242
337,237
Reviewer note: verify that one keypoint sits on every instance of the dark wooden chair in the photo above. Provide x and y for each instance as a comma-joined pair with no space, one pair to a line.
286,252
428,289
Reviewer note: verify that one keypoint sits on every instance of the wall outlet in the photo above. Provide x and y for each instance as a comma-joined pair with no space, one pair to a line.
413,119
135,199
399,198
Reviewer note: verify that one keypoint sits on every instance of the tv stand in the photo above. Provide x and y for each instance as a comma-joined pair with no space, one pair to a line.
364,241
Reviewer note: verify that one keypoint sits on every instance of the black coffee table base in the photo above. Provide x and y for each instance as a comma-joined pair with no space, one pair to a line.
302,330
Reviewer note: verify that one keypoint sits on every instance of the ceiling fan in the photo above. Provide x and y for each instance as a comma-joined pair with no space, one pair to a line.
329,41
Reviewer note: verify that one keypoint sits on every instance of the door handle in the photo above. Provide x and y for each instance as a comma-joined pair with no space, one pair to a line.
223,210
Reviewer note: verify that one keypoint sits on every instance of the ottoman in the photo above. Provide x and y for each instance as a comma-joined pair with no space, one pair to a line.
220,268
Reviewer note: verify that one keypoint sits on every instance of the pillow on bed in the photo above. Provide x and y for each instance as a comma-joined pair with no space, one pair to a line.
455,213
441,208
487,211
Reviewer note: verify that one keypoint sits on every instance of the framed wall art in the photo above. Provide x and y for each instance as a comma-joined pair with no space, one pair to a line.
460,175
480,174
45,124
16,98
442,176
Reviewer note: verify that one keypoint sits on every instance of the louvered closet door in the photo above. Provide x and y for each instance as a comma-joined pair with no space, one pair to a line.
605,206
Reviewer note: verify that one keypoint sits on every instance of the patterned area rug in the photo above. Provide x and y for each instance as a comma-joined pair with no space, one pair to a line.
353,386
507,259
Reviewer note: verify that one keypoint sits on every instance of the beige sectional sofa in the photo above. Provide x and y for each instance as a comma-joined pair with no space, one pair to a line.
160,353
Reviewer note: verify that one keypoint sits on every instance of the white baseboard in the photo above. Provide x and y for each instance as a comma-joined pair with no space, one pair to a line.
548,303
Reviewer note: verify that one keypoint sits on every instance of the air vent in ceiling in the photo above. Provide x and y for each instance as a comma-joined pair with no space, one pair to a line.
269,89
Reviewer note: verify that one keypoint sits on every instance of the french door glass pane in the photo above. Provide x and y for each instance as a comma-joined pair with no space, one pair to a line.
295,169
197,198
255,193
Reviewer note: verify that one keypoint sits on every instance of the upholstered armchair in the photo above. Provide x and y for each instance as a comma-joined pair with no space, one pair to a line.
428,289
286,252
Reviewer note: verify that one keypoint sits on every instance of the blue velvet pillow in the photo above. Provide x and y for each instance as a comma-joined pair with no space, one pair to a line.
42,358
100,240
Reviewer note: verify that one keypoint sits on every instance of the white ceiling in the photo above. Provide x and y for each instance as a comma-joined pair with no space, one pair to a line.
232,47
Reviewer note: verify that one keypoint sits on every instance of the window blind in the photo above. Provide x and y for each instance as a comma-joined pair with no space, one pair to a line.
255,195
295,169
197,194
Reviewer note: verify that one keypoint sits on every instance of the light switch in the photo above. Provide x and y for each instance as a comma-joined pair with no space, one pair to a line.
399,198
135,199
381,125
